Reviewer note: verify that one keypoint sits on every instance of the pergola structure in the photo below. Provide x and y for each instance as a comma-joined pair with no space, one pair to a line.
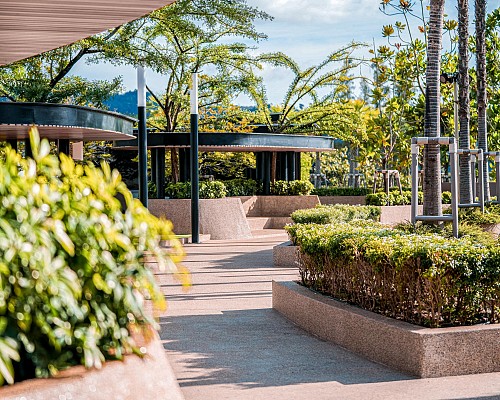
287,147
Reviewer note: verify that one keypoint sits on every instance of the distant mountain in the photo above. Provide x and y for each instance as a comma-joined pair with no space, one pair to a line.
124,103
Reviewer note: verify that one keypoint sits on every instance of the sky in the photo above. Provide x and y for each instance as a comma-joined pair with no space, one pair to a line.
306,30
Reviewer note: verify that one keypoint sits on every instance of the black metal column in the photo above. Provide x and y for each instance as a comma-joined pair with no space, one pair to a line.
259,166
195,193
290,155
185,171
142,138
63,146
28,153
267,172
13,144
160,173
154,166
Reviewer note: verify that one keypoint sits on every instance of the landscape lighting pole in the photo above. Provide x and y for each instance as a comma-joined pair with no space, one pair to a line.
142,138
195,195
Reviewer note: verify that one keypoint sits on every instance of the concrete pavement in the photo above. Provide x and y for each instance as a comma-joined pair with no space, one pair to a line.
224,340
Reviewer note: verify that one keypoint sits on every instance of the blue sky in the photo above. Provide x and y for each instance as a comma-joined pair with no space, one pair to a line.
306,30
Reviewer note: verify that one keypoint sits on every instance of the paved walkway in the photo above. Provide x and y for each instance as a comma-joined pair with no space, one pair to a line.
226,342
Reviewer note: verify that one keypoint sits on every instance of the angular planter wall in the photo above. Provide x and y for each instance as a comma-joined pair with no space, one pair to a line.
285,255
423,352
276,206
134,378
220,218
350,200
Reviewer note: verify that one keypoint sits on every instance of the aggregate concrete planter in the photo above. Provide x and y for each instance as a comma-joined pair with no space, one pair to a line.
220,218
134,378
393,215
349,200
285,255
423,352
276,206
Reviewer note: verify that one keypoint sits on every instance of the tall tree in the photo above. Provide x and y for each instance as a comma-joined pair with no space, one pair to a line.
482,102
463,99
432,161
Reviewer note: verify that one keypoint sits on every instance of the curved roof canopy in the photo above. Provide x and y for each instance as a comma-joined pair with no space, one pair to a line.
228,141
31,27
61,121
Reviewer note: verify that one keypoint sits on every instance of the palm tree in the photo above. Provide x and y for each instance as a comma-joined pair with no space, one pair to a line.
463,99
482,131
432,162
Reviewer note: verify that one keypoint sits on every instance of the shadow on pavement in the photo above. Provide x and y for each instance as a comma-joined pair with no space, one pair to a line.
260,348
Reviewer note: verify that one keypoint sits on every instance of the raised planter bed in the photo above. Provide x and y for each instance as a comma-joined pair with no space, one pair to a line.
220,218
423,352
285,255
134,378
276,206
349,200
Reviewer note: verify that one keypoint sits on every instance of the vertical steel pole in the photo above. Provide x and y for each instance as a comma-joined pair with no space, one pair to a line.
414,182
455,107
195,193
142,138
473,176
454,184
497,168
480,159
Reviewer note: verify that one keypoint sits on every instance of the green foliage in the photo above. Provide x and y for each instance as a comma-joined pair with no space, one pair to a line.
243,187
426,279
208,190
291,188
327,214
72,279
397,199
341,191
474,216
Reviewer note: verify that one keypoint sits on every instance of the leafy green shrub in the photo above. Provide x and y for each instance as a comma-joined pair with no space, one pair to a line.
292,188
242,187
212,190
327,214
397,199
427,279
474,216
152,190
341,191
208,190
299,188
179,190
72,278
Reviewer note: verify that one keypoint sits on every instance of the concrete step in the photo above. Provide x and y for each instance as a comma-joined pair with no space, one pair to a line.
258,223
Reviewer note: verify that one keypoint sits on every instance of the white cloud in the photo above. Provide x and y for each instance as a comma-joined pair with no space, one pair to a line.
319,11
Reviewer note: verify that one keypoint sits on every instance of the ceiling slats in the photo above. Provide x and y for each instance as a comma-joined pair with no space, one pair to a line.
30,27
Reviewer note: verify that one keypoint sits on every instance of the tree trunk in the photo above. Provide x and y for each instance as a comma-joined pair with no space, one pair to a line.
174,161
463,100
273,166
482,130
432,161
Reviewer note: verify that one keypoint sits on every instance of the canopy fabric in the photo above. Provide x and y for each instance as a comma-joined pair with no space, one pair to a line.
31,27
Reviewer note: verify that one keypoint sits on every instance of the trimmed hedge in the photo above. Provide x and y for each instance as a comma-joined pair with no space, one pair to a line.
237,187
326,214
397,199
341,191
426,279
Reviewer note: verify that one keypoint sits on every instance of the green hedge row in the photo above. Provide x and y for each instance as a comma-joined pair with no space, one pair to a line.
426,279
396,198
327,214
235,187
341,191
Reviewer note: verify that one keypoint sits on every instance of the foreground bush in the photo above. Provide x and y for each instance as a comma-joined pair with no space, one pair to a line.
341,191
72,280
327,214
426,279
